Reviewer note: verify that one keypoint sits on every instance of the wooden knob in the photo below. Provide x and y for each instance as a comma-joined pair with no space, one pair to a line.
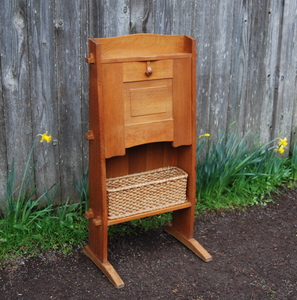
149,70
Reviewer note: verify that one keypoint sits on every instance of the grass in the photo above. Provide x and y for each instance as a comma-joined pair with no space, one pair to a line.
236,173
49,234
231,173
29,226
294,161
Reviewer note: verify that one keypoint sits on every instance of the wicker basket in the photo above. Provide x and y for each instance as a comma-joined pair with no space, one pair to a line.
146,191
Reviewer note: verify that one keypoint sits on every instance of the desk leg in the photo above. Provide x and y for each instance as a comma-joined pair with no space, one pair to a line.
182,228
191,243
106,268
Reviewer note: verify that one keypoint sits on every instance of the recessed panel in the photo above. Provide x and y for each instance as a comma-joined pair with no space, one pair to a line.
147,101
150,100
148,112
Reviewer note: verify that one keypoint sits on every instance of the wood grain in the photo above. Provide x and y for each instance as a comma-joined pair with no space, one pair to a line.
3,148
43,92
112,76
141,13
15,73
68,60
131,124
114,17
182,102
286,77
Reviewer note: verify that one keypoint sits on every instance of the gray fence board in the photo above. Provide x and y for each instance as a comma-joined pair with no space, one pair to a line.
257,28
204,26
84,67
115,17
221,64
271,58
240,55
43,89
69,61
162,17
3,148
16,83
284,105
141,16
246,71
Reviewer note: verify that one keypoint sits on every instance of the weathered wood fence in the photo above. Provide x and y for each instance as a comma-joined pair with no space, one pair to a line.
246,71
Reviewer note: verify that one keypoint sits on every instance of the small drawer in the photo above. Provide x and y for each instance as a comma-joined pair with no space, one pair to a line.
151,70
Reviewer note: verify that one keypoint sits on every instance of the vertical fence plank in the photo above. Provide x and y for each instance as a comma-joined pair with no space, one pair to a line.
84,35
221,66
182,16
95,19
253,67
162,16
141,20
257,73
240,58
115,17
286,92
204,27
16,83
271,59
294,91
43,90
68,62
3,148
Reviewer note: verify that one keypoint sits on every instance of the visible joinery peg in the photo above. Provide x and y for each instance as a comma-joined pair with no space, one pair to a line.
89,214
90,59
90,135
97,221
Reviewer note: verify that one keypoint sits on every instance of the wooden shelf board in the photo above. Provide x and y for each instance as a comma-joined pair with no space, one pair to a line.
126,57
186,204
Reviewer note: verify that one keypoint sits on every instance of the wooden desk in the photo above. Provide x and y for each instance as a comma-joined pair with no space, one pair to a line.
142,117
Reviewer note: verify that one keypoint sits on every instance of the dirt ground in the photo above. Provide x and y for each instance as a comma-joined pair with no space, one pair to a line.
254,257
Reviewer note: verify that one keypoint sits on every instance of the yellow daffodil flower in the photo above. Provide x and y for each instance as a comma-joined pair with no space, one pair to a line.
281,149
283,142
281,145
45,137
206,134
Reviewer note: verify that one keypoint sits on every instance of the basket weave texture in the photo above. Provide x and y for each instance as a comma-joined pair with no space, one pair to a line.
146,191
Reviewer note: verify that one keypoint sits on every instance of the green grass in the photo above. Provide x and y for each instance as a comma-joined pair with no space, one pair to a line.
234,172
31,224
294,161
47,228
49,234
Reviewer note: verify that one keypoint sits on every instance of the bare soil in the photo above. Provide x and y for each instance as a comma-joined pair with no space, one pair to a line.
254,257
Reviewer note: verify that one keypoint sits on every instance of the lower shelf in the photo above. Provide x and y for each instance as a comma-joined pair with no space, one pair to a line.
186,204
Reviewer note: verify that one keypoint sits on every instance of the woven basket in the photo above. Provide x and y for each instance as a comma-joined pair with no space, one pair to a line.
146,191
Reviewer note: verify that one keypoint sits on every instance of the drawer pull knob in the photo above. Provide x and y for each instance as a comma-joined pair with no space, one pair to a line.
149,70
